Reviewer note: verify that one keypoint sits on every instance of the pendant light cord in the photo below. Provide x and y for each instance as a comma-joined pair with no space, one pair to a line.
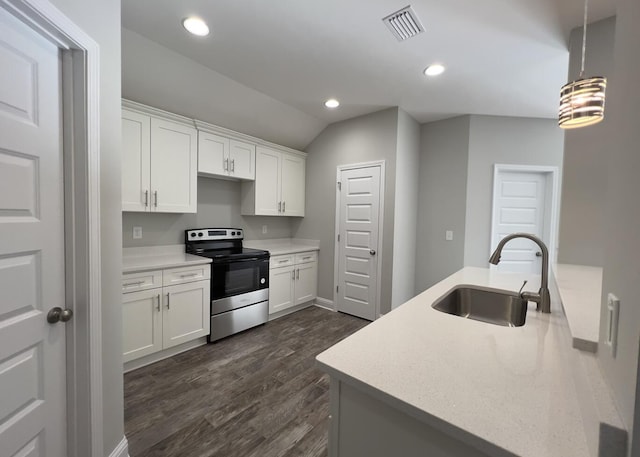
584,38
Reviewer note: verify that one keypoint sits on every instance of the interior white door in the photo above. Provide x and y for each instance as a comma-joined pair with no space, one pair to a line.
359,230
32,352
519,206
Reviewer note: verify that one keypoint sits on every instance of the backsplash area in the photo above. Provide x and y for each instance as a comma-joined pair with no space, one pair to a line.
218,206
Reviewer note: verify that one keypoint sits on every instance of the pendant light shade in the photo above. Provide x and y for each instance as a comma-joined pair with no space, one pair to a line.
582,102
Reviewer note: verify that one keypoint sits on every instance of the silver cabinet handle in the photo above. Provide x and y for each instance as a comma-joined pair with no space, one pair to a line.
233,165
293,274
158,303
137,283
155,198
283,203
226,164
146,198
298,273
190,275
168,300
279,207
306,258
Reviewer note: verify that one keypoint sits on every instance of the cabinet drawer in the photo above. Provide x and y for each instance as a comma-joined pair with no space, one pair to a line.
134,282
185,274
306,257
281,261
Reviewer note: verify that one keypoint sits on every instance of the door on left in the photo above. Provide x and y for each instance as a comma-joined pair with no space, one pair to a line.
32,270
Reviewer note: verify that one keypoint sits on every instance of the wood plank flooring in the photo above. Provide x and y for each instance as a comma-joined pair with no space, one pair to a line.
254,394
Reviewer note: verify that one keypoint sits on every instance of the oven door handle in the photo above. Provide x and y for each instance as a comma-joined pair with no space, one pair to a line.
227,261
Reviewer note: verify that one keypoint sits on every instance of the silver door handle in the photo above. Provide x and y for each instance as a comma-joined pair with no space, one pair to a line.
146,198
168,300
58,314
538,254
155,198
226,164
298,273
158,304
372,251
233,164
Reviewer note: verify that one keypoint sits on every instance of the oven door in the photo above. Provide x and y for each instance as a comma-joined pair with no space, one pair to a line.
231,277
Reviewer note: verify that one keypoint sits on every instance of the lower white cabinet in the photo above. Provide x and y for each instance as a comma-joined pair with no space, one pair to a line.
158,318
293,280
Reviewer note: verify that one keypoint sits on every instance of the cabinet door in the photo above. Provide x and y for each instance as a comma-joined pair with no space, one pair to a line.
174,167
267,186
186,313
306,287
136,161
242,160
141,324
213,154
293,185
281,289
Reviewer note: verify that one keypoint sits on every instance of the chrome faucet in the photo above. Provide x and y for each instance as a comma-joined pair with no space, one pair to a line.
542,297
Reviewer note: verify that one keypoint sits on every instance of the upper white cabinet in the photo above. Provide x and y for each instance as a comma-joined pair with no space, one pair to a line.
279,187
159,162
219,156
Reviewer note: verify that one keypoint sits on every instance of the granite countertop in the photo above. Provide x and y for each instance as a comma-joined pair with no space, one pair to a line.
158,257
283,246
506,391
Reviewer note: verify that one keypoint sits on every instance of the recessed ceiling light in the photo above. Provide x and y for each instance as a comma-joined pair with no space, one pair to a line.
332,103
434,70
196,26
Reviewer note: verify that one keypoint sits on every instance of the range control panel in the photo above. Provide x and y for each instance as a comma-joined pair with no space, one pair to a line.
206,234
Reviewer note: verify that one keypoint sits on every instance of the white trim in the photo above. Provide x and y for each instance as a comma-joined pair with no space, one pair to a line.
336,260
81,111
122,449
325,303
156,112
551,171
164,354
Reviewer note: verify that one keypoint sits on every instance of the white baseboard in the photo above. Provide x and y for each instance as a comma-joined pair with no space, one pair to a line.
157,356
324,303
122,449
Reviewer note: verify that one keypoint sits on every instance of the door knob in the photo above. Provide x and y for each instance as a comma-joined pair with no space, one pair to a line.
58,314
538,254
372,251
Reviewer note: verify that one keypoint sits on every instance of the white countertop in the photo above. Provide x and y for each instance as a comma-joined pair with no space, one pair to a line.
282,246
506,391
158,257
580,289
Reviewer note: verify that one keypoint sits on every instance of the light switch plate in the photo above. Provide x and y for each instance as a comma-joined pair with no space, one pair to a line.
448,235
264,229
137,233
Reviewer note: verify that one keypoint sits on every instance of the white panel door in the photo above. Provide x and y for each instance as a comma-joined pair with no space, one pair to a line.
281,289
242,160
359,230
306,285
519,206
267,182
136,161
174,167
141,323
213,154
32,352
293,185
186,313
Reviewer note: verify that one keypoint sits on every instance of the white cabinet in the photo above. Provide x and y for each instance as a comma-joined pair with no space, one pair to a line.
225,157
293,280
159,164
279,187
164,308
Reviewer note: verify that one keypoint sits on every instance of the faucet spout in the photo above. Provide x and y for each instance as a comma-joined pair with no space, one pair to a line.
542,298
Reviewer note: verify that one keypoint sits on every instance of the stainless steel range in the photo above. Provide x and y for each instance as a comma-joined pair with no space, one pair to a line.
239,279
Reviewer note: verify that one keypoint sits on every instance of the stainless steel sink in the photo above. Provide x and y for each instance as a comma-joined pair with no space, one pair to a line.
499,307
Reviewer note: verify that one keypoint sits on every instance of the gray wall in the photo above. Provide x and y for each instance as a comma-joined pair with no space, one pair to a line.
101,20
406,209
218,206
622,242
442,200
361,139
506,140
159,77
584,181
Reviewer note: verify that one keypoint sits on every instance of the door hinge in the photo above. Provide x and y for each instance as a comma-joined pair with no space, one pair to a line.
339,185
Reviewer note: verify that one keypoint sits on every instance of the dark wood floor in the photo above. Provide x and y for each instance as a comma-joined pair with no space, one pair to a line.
257,393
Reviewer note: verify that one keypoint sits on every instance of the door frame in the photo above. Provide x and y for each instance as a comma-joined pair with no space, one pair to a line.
336,255
80,118
552,202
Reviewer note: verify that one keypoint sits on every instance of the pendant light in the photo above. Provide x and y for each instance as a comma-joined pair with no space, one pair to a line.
582,100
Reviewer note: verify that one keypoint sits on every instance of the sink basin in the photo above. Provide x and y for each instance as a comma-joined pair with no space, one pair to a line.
499,307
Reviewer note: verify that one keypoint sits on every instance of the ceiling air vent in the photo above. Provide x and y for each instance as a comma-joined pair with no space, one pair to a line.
404,23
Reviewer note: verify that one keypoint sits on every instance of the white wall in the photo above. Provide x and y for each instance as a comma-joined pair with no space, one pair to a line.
506,140
361,139
101,21
160,77
218,206
584,180
442,200
406,209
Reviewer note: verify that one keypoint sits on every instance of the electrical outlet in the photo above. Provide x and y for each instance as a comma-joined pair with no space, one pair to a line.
137,233
264,229
613,312
448,235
